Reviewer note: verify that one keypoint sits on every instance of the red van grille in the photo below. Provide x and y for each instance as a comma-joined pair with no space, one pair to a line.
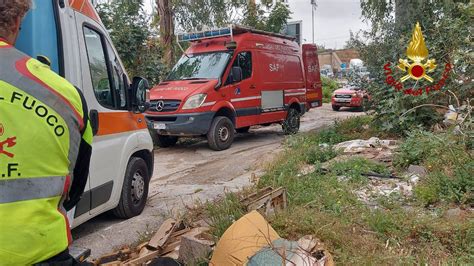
164,105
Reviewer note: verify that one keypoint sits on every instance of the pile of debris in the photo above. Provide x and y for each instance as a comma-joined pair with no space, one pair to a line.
373,148
252,241
402,187
248,241
377,150
172,240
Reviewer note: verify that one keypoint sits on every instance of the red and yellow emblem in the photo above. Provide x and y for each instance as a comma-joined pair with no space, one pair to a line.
417,52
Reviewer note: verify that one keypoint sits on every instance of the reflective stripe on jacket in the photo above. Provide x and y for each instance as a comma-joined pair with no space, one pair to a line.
41,128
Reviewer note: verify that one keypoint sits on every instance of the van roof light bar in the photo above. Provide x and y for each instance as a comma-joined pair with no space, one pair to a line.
231,30
200,35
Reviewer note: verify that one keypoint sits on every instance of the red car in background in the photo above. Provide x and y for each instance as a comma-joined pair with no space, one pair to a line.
350,96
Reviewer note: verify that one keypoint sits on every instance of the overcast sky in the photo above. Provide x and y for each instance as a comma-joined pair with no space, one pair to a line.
332,20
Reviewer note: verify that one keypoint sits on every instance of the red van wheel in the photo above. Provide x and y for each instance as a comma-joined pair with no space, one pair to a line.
221,134
291,125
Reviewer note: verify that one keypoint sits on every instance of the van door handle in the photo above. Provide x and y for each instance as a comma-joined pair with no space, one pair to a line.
94,119
253,86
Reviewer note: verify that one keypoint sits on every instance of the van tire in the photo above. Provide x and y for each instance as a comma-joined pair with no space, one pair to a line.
243,130
221,134
336,108
291,125
165,141
135,189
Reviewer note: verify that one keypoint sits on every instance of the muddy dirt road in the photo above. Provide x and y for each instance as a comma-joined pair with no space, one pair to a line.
190,172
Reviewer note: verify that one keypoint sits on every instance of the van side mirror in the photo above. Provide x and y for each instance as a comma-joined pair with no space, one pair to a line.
140,95
236,73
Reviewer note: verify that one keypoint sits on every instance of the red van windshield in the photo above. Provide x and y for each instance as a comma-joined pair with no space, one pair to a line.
200,66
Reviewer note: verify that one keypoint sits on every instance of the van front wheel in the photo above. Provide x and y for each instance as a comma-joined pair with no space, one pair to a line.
291,125
135,189
221,133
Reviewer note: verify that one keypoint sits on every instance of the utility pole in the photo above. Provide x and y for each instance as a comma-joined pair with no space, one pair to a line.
313,5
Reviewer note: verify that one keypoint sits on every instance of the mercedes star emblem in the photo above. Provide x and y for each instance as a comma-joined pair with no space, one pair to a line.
159,106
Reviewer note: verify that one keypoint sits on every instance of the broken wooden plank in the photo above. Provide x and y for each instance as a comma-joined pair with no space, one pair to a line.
112,263
143,259
256,195
163,233
120,255
268,199
179,233
170,248
139,247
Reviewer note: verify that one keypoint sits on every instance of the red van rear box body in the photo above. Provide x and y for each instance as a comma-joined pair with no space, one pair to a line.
279,66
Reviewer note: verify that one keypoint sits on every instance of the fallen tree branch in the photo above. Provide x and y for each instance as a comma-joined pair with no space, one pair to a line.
380,175
423,105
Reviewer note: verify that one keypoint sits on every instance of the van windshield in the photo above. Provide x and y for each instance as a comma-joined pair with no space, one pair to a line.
200,66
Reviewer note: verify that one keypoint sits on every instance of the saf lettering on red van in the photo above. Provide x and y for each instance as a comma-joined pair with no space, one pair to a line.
230,79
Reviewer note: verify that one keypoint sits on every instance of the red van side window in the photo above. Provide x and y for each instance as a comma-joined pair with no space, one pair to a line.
244,61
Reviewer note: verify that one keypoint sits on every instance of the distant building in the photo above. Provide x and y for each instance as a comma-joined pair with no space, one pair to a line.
294,28
337,58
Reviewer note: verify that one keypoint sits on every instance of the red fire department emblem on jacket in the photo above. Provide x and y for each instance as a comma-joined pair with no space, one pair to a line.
8,143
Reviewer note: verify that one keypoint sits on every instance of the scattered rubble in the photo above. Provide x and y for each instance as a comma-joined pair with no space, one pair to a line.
384,187
378,185
307,169
172,240
453,213
266,200
417,170
373,148
252,241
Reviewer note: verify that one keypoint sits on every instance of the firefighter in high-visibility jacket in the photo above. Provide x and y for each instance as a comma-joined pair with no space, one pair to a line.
45,148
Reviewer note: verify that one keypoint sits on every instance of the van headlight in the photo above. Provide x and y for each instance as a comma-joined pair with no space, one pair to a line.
195,101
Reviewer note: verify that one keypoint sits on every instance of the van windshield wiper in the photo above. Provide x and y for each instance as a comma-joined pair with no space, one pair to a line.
189,78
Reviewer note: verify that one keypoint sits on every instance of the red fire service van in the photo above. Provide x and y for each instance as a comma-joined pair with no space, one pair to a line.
230,79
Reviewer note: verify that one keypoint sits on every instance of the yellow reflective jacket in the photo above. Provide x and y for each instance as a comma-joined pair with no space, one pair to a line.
45,140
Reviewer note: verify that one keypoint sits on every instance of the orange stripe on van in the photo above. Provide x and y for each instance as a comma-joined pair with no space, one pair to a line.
85,7
120,122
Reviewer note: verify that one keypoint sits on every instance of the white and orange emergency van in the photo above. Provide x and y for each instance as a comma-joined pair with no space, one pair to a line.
230,79
70,34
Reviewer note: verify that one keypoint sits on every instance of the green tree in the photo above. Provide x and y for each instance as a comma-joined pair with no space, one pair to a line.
269,15
129,29
446,27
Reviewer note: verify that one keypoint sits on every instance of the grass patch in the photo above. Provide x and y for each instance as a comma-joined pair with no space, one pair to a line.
220,216
323,205
449,163
353,168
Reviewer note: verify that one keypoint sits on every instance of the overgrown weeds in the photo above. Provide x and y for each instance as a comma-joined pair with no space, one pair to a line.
329,86
449,162
325,205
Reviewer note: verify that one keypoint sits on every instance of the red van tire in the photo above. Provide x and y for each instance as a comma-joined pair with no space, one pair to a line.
221,134
243,130
336,108
291,125
135,189
165,141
